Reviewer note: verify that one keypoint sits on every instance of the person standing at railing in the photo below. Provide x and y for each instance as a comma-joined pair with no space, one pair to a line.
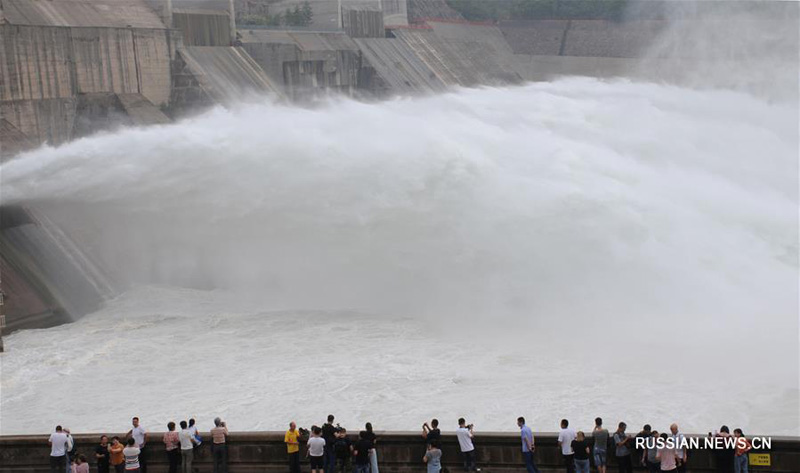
431,432
623,449
465,433
116,458
329,435
131,453
600,450
649,456
682,452
172,444
565,438
742,447
373,452
361,453
433,457
139,434
58,450
580,447
667,457
343,448
527,445
292,441
187,447
219,446
316,450
101,455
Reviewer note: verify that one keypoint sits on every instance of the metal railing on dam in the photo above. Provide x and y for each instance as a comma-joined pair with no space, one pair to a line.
265,452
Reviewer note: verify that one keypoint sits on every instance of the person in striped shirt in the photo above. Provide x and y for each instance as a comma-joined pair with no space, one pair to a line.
131,453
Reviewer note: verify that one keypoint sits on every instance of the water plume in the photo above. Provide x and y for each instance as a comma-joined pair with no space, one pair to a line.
583,212
575,200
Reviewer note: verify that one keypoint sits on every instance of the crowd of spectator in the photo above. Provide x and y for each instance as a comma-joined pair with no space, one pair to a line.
329,449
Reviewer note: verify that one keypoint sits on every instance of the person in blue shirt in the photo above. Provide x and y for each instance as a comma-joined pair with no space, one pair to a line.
527,445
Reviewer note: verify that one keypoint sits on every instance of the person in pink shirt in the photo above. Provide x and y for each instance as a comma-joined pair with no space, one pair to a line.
219,446
667,456
80,465
172,443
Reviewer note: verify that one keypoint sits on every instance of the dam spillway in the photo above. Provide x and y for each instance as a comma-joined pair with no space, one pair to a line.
577,206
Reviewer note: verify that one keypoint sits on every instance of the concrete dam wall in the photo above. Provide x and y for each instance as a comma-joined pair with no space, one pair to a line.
397,452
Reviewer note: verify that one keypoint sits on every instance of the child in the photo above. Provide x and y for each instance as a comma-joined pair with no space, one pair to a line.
343,448
316,450
80,465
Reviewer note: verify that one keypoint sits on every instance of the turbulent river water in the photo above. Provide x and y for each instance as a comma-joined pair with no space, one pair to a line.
566,249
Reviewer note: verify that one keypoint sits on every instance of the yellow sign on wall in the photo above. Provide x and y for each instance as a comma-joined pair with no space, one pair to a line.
760,459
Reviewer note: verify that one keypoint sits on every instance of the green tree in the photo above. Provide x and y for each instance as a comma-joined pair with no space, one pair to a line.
481,10
307,13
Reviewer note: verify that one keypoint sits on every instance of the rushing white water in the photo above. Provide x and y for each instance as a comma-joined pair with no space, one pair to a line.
575,248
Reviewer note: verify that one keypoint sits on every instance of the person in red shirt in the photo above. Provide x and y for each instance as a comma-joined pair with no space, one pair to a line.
742,447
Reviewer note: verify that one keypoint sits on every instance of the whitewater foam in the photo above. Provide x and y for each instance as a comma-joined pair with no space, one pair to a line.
451,246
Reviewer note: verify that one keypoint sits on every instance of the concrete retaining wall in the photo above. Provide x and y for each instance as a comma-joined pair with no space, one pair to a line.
45,68
264,452
46,279
305,63
203,27
363,22
55,62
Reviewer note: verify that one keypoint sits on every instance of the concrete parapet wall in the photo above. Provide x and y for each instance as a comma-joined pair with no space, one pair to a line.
265,452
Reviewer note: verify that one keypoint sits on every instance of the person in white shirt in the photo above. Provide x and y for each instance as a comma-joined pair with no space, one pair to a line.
667,457
58,450
565,438
193,430
316,450
139,434
70,450
187,447
681,453
465,433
